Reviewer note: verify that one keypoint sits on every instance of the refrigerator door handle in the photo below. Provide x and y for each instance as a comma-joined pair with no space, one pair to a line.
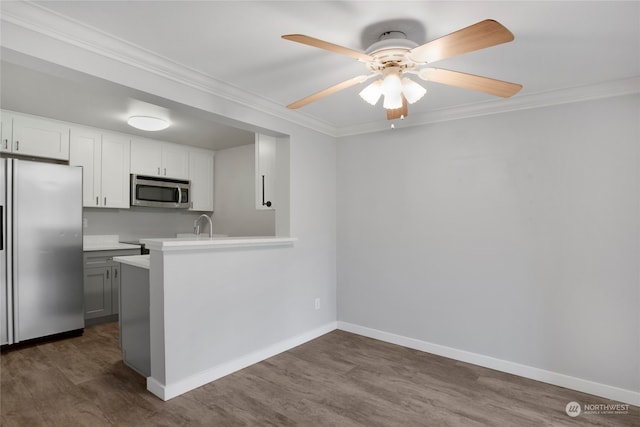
10,218
14,335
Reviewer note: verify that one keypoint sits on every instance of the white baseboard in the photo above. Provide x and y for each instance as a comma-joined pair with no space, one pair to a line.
169,391
609,392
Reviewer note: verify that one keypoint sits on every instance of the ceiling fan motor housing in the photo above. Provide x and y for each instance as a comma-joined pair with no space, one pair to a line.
392,50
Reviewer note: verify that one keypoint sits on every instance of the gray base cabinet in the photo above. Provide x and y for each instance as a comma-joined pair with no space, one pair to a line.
102,282
134,319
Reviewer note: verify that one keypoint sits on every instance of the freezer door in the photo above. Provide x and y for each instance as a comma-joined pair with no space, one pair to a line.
47,249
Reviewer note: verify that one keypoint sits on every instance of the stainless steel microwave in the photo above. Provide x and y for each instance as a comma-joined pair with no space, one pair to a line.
156,192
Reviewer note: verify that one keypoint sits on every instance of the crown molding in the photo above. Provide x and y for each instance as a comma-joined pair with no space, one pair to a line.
521,102
46,22
41,20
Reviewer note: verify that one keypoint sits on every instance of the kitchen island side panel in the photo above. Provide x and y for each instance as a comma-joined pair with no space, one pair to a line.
222,308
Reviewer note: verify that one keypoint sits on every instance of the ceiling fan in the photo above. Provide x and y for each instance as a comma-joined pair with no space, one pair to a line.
393,57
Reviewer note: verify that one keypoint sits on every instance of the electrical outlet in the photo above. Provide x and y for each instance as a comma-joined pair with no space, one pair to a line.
317,303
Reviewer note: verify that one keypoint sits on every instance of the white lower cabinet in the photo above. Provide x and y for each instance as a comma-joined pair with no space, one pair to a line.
34,136
104,158
201,177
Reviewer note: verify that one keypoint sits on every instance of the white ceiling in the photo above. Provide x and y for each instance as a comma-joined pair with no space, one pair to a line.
557,45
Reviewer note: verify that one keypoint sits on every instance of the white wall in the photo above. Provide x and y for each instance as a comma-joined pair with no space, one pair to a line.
234,205
514,236
136,223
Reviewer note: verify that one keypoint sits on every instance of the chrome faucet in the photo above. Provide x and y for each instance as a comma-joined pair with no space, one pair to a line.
196,225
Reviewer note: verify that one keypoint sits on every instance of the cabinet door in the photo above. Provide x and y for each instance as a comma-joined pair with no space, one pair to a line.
201,177
97,292
146,157
41,138
115,289
115,171
5,131
265,171
84,150
175,161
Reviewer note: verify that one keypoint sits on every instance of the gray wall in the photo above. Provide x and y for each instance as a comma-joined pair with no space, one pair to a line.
234,201
514,236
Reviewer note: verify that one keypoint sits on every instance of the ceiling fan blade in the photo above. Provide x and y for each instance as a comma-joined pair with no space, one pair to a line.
326,92
399,113
470,81
483,34
321,44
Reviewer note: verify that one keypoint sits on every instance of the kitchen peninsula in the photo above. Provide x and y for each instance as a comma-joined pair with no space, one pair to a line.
215,306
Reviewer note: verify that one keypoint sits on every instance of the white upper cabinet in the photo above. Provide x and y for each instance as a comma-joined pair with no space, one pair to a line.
104,158
146,157
6,126
34,136
156,158
265,171
85,150
175,161
201,177
115,170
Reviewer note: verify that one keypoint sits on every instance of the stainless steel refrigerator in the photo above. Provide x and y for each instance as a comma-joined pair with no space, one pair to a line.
41,263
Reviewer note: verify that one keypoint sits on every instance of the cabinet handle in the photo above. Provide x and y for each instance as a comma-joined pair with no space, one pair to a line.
97,201
6,144
115,273
267,203
17,145
165,171
158,171
107,274
105,201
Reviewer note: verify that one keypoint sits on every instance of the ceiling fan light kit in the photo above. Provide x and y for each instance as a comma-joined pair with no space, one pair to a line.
372,93
412,91
392,88
393,55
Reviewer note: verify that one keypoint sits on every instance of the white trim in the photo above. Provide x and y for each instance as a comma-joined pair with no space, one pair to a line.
603,390
59,27
169,391
156,387
520,102
56,26
205,244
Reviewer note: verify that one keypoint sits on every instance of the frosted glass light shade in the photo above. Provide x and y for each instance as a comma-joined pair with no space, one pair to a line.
372,93
392,91
392,101
412,91
147,123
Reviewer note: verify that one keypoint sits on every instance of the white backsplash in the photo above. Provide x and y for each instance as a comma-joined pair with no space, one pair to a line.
136,223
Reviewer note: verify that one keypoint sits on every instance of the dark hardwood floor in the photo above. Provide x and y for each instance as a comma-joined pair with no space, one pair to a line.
339,379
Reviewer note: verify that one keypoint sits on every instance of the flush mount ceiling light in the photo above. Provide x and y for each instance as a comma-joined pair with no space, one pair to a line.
394,56
147,123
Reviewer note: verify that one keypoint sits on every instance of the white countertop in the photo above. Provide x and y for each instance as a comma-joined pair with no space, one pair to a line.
105,243
203,242
141,261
